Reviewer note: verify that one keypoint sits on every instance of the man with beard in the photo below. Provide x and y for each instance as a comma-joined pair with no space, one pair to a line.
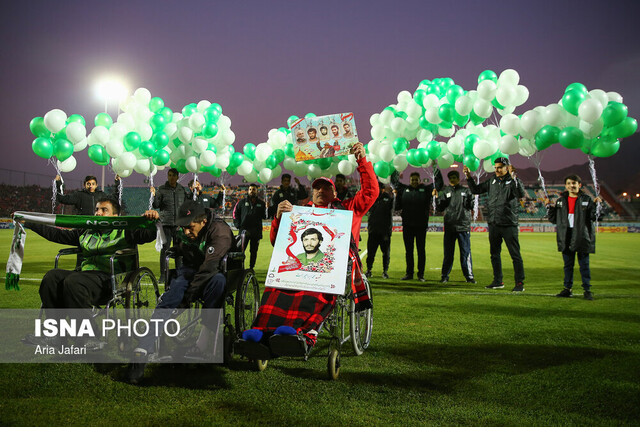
248,215
287,192
313,135
204,199
311,240
347,131
380,226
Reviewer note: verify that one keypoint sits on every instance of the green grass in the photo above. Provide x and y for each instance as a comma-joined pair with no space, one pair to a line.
440,354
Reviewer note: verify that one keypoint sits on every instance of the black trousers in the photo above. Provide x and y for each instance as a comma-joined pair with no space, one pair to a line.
74,289
508,233
419,234
253,244
384,242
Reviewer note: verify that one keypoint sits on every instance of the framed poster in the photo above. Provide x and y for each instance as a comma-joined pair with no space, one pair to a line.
324,136
311,250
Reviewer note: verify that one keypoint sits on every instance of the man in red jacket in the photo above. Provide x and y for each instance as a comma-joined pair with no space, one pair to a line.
293,317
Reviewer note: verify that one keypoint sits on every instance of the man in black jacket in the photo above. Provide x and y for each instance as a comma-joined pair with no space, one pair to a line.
168,199
203,241
504,190
456,202
248,215
287,192
204,199
574,214
415,201
380,227
84,202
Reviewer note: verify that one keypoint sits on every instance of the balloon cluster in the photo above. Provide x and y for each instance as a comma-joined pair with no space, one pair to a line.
265,161
58,137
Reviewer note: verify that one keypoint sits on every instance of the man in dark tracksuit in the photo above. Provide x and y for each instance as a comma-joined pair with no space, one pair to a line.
504,190
84,202
168,199
415,201
574,214
287,192
456,202
248,215
203,241
379,228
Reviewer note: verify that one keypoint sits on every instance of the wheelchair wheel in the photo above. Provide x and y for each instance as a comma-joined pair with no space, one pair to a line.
188,318
143,289
247,302
361,324
333,364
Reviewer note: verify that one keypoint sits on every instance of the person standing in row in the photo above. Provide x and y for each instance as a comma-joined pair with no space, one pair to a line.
503,190
415,201
204,199
84,201
248,215
287,192
456,201
380,226
168,199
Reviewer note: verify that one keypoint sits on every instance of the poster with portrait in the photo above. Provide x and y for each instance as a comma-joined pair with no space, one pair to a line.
324,136
311,250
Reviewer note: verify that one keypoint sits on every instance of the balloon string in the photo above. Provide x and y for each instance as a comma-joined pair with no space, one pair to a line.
54,189
537,161
150,194
224,195
596,187
432,176
476,199
266,209
120,185
195,181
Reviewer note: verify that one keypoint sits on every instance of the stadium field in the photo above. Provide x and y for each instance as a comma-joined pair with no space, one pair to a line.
440,354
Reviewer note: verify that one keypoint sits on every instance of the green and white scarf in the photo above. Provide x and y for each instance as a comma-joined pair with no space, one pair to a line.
16,254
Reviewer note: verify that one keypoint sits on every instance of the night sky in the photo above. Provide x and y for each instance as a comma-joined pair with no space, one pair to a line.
266,60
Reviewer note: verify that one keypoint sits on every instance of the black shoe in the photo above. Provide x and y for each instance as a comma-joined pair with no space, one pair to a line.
495,285
471,280
519,287
136,369
407,277
444,280
385,275
588,295
565,293
31,339
368,273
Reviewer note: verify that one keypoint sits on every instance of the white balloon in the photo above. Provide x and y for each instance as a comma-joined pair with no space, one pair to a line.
142,96
482,108
208,158
196,121
127,103
227,137
192,164
143,166
614,96
456,145
385,118
530,122
424,135
398,125
224,122
591,130
76,132
81,145
127,160
400,162
68,165
373,158
507,110
374,146
289,163
200,145
404,96
527,148
510,77
510,124
251,176
300,169
145,131
432,115
374,119
116,131
464,105
488,166
99,135
600,95
446,132
185,134
203,105
377,132
171,130
506,95
126,120
114,148
522,95
589,111
487,90
445,161
55,120
509,144
484,148
430,100
387,153
345,167
553,115
245,167
222,161
263,150
413,110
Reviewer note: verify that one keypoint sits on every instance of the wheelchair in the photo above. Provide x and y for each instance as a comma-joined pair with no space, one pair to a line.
343,324
135,290
240,300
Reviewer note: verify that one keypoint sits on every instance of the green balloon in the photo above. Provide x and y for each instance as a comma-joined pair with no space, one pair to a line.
146,148
160,140
434,149
488,75
586,146
400,145
167,114
215,171
42,147
291,120
235,160
249,151
418,96
231,170
627,127
614,113
76,118
160,158
212,114
412,157
176,142
279,155
209,130
157,122
289,151
571,137
446,112
435,89
475,119
98,155
62,149
469,141
572,99
325,162
605,148
496,104
188,110
401,114
62,134
382,169
38,128
422,121
103,119
422,156
213,148
576,86
217,107
131,141
471,161
460,120
309,115
453,93
271,162
181,166
546,137
425,82
156,104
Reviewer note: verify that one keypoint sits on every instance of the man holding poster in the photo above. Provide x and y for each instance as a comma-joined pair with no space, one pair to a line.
288,320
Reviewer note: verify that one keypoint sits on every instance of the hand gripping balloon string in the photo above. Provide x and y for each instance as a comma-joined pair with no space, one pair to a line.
476,200
537,160
432,176
195,191
266,208
120,191
596,187
224,194
150,194
54,189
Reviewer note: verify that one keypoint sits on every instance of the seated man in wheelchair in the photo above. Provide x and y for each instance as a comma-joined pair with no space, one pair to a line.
203,240
90,286
292,318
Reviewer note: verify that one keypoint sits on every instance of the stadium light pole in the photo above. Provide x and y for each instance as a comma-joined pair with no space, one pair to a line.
109,89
